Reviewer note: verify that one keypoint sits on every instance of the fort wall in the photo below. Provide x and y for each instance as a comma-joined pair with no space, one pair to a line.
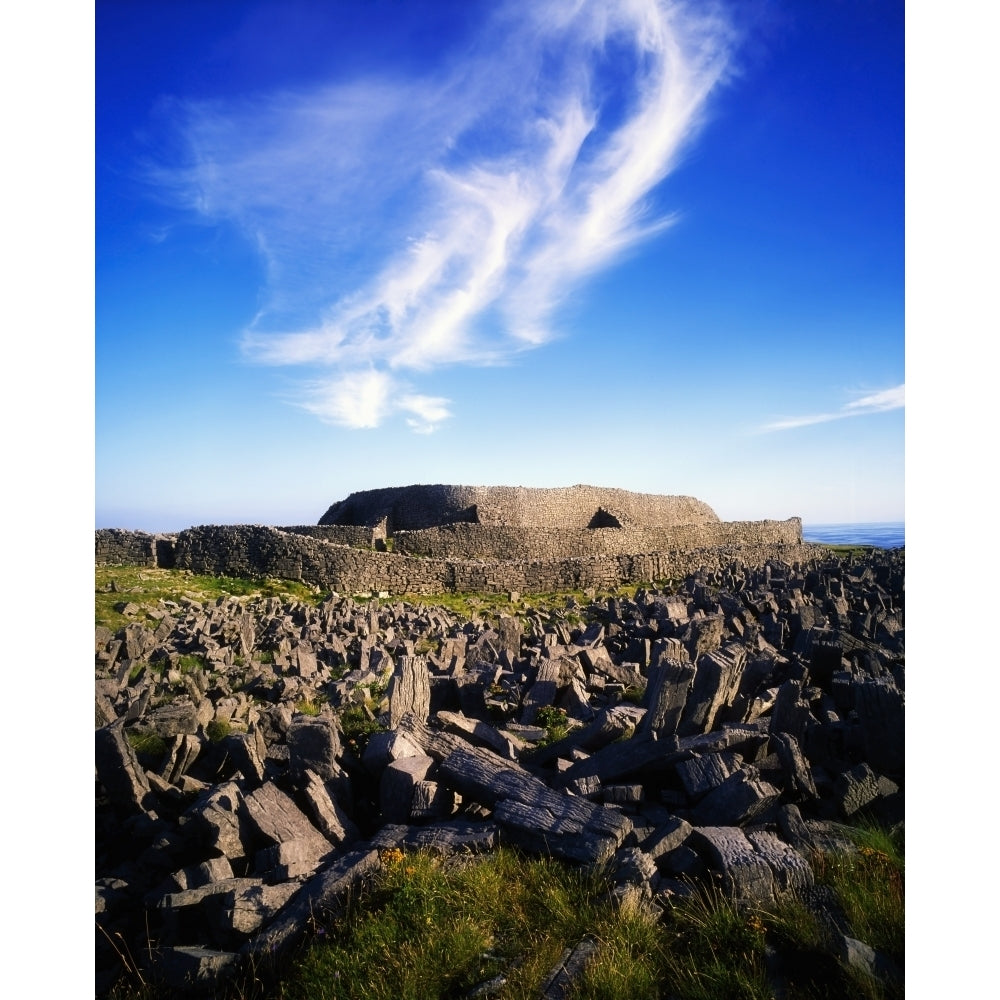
260,551
429,539
474,541
413,508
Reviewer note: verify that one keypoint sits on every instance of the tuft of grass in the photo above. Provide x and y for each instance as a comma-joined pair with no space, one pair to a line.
555,723
430,928
217,730
870,887
188,663
307,707
358,727
146,744
714,949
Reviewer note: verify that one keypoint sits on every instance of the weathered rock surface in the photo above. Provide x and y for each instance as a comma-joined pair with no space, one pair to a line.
766,703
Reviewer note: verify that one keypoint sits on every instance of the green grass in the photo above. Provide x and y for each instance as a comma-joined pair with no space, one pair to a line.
850,551
555,723
870,885
358,727
146,744
431,929
188,663
147,587
217,730
435,930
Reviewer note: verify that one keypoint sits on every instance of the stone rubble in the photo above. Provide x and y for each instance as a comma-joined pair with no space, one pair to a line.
721,731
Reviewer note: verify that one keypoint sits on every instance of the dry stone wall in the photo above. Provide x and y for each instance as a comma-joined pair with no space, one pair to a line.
259,551
429,539
118,547
339,534
412,508
475,541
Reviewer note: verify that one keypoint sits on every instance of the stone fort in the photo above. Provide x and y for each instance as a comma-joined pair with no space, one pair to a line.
434,538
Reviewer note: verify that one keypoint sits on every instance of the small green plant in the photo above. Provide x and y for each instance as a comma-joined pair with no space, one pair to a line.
188,663
424,646
145,743
307,706
870,887
554,721
217,730
358,727
633,694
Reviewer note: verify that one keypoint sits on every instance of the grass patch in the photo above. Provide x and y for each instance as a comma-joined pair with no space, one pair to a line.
188,663
146,744
870,886
431,929
217,730
555,723
848,551
358,727
146,587
434,929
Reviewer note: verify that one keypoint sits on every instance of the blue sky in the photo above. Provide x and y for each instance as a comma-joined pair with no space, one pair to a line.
655,246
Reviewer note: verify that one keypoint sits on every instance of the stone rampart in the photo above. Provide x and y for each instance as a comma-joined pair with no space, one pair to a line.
412,508
255,551
339,534
475,541
118,547
429,539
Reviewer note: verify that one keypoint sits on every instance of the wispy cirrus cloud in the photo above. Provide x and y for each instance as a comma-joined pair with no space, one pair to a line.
413,224
877,402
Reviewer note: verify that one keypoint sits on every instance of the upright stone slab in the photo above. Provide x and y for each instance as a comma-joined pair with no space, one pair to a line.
716,681
553,675
409,690
327,813
667,692
397,784
314,745
879,704
118,768
219,814
800,779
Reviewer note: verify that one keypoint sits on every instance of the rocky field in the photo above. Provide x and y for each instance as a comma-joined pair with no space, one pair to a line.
256,758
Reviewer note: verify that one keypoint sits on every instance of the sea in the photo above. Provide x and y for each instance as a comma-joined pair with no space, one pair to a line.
884,534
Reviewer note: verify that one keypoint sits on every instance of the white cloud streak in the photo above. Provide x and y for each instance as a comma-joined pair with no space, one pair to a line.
409,225
878,402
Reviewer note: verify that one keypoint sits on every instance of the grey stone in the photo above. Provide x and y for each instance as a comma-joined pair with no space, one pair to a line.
276,818
118,768
409,690
330,818
397,784
739,799
314,745
744,873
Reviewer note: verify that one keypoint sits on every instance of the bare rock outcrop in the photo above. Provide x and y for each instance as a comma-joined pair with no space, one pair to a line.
719,731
